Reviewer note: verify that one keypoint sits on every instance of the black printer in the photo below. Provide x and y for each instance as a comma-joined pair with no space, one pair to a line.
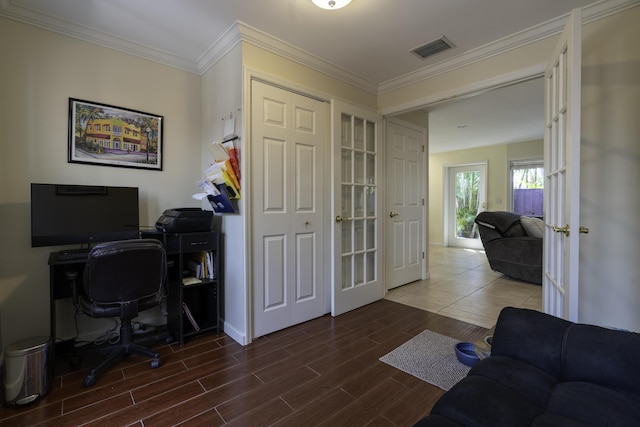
184,220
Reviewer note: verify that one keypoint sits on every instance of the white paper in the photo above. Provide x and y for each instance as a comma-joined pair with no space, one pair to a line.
229,127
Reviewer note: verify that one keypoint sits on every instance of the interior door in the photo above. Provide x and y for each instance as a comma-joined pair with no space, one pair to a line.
289,141
562,179
357,209
405,204
466,198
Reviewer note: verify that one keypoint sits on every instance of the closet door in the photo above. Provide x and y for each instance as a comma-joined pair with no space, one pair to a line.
289,143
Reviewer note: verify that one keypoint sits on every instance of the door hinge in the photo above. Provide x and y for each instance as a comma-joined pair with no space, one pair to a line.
423,148
422,202
422,254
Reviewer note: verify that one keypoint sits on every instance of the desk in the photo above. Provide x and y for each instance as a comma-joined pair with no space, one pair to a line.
203,298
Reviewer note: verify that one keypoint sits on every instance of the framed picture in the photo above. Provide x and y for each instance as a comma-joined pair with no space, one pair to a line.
105,135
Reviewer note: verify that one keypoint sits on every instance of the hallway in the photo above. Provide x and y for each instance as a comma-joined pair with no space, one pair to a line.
463,287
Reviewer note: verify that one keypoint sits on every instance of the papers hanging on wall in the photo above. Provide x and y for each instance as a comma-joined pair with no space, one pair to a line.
221,183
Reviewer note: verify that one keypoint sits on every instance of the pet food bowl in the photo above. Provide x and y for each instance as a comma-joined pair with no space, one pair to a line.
466,353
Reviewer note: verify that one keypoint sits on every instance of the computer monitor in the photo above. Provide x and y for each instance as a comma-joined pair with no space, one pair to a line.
82,214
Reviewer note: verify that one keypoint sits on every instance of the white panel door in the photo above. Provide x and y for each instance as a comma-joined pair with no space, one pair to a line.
357,206
405,204
562,168
289,144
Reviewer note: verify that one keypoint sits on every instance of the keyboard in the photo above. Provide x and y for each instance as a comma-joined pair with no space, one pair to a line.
73,255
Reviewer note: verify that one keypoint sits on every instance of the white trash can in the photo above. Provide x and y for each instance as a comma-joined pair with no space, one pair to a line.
27,370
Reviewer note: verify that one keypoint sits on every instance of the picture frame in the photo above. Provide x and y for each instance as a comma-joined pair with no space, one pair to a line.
106,135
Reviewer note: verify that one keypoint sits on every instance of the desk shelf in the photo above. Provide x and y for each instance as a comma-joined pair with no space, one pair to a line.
203,299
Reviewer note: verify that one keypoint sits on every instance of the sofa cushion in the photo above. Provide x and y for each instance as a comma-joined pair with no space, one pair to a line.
595,404
534,227
552,420
531,382
479,401
436,421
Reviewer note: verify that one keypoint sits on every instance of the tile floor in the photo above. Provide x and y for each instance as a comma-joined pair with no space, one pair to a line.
463,286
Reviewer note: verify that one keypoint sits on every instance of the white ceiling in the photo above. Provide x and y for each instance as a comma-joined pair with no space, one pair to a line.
500,116
367,43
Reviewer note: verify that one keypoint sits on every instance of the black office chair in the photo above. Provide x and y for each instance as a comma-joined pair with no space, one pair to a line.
121,279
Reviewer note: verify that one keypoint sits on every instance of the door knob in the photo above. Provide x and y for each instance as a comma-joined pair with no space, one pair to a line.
339,219
564,229
393,214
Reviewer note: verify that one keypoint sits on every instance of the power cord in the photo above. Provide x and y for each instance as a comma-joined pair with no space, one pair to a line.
111,335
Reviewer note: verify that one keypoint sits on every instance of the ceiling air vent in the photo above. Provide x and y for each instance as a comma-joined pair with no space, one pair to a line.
433,47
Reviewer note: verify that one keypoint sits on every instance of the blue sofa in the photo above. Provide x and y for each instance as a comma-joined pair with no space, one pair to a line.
544,371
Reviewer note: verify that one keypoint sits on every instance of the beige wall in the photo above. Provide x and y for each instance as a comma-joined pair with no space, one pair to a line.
610,174
39,71
279,69
221,100
497,158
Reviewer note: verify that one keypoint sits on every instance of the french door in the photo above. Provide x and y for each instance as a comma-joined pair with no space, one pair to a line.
562,168
357,209
466,194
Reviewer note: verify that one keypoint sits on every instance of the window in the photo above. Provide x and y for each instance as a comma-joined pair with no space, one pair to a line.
526,178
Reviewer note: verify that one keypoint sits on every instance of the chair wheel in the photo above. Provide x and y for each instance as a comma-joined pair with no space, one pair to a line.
89,381
155,363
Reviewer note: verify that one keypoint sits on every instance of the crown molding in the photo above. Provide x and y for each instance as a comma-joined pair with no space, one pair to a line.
241,32
286,50
229,39
591,13
48,22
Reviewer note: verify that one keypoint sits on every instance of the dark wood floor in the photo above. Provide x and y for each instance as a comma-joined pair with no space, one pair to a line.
324,372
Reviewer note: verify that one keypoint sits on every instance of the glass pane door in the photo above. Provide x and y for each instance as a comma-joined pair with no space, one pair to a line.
467,189
359,191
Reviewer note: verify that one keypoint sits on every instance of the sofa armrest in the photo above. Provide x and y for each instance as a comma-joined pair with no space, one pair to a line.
517,250
531,336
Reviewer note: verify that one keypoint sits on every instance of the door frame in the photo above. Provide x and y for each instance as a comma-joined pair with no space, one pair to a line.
424,268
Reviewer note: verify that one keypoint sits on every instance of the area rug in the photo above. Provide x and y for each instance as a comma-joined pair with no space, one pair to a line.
431,357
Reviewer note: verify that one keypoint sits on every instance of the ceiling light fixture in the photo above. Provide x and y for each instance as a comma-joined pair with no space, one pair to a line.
331,4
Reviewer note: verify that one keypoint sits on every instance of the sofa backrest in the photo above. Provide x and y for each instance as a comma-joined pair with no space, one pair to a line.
569,351
602,356
498,224
531,336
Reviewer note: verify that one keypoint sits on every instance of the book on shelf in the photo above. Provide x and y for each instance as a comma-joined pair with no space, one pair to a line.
190,280
201,265
192,320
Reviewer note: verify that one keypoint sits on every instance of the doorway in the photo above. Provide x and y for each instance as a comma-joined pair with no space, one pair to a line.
466,190
405,253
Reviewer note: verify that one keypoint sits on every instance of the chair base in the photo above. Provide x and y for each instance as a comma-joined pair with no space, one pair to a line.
126,347
115,356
